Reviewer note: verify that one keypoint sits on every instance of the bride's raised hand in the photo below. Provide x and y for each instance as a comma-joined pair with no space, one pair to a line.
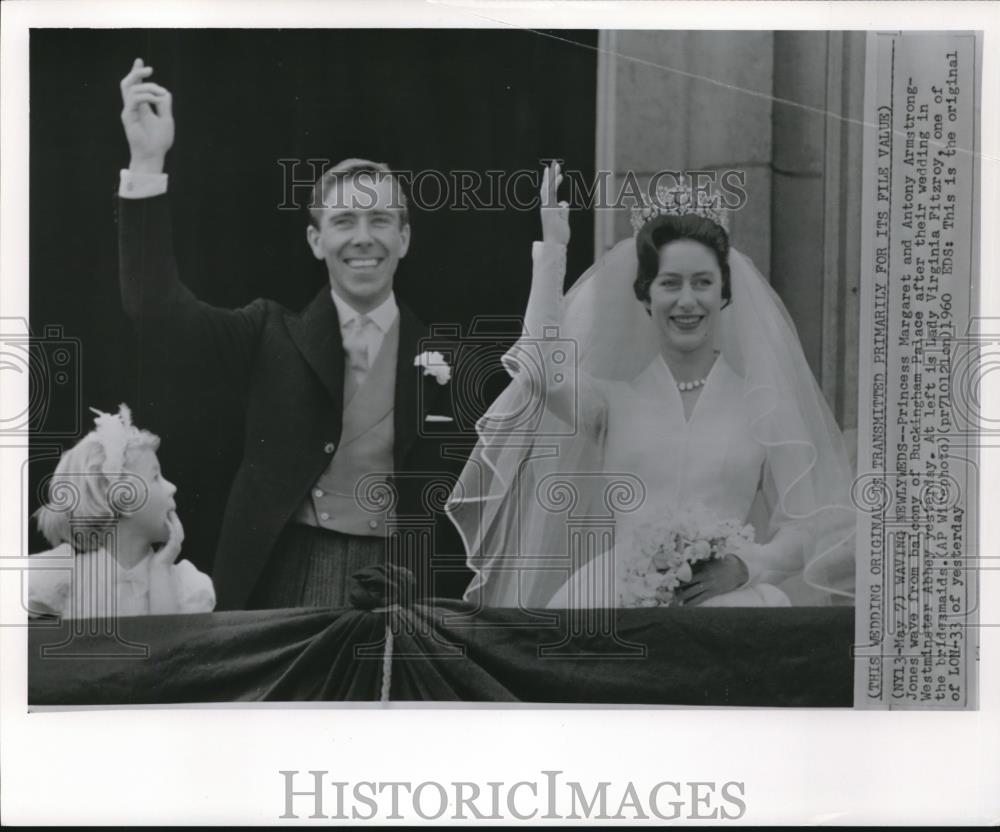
555,215
713,577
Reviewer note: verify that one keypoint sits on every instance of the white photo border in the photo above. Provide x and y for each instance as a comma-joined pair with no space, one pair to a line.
216,765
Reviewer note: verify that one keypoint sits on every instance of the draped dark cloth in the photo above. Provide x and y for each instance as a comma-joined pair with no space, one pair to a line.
446,652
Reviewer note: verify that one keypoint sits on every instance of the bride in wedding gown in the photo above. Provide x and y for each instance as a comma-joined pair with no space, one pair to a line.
688,389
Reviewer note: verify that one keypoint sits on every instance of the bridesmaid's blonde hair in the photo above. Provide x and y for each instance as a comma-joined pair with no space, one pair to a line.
90,482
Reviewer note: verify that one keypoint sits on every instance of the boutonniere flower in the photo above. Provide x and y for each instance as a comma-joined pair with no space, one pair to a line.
434,365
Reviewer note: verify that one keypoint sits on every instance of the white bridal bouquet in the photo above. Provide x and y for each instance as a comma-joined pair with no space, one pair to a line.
663,552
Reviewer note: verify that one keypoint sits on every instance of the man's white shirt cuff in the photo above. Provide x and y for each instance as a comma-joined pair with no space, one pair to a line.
141,185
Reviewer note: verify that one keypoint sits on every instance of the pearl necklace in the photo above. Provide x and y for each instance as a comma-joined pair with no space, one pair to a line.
686,386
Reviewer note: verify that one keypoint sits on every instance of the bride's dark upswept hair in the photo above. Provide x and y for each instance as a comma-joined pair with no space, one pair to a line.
668,228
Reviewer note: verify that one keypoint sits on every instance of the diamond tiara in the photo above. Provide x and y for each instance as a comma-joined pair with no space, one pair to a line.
678,200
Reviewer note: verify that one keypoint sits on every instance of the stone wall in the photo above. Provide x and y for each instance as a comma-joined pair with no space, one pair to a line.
777,106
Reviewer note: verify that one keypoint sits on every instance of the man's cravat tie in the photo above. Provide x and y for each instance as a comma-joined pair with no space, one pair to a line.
356,345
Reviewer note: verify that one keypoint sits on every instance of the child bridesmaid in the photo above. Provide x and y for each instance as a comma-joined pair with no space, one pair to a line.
111,515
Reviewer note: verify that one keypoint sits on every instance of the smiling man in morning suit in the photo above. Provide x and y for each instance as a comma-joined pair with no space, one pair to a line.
333,422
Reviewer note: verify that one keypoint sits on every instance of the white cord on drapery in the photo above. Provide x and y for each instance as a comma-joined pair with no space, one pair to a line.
387,656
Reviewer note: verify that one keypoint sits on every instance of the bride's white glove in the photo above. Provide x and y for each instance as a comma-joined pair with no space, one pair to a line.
778,559
713,577
570,396
545,301
555,215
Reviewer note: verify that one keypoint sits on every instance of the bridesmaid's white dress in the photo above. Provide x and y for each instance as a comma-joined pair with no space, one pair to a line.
93,585
709,460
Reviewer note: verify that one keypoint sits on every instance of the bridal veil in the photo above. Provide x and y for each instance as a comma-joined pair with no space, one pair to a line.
530,466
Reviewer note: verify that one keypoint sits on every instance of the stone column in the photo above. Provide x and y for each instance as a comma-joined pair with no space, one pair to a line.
687,100
785,108
797,183
819,89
